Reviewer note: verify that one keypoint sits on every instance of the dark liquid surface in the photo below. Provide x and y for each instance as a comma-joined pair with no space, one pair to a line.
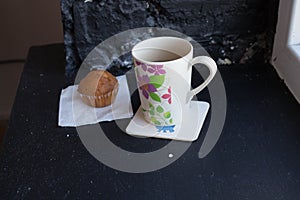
164,59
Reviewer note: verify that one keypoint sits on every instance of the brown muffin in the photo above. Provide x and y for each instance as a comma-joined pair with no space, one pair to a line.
98,89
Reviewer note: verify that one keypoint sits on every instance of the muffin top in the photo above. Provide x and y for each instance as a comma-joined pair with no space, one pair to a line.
97,83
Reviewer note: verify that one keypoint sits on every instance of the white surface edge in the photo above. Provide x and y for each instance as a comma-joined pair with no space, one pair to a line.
286,50
175,137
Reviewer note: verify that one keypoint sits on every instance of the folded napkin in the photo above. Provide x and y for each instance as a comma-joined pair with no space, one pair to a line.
73,112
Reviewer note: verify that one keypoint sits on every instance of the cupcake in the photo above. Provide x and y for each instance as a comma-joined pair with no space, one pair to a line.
98,89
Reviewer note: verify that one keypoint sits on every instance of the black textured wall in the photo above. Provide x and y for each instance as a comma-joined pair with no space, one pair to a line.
232,31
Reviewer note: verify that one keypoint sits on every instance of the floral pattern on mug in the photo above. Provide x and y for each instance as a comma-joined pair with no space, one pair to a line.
145,86
168,96
156,69
150,83
161,118
143,65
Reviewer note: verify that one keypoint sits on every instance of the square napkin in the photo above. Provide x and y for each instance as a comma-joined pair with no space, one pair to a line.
73,112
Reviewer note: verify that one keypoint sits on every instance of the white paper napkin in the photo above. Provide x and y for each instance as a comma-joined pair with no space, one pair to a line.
73,112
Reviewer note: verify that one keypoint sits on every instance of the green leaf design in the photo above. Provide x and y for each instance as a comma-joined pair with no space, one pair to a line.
159,109
151,112
153,119
167,115
157,81
155,97
157,123
171,121
151,106
151,109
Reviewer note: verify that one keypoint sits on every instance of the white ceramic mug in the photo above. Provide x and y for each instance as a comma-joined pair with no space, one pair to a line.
163,67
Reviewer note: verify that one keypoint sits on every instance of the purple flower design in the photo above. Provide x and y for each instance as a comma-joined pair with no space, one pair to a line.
143,65
156,69
145,86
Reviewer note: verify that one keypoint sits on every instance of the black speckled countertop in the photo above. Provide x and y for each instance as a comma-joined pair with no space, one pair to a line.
256,157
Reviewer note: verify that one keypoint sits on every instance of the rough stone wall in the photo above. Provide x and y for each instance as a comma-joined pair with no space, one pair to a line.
232,31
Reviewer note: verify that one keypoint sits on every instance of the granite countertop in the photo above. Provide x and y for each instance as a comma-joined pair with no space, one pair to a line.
256,157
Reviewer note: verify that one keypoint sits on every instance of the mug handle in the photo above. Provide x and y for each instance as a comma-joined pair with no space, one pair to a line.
211,65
